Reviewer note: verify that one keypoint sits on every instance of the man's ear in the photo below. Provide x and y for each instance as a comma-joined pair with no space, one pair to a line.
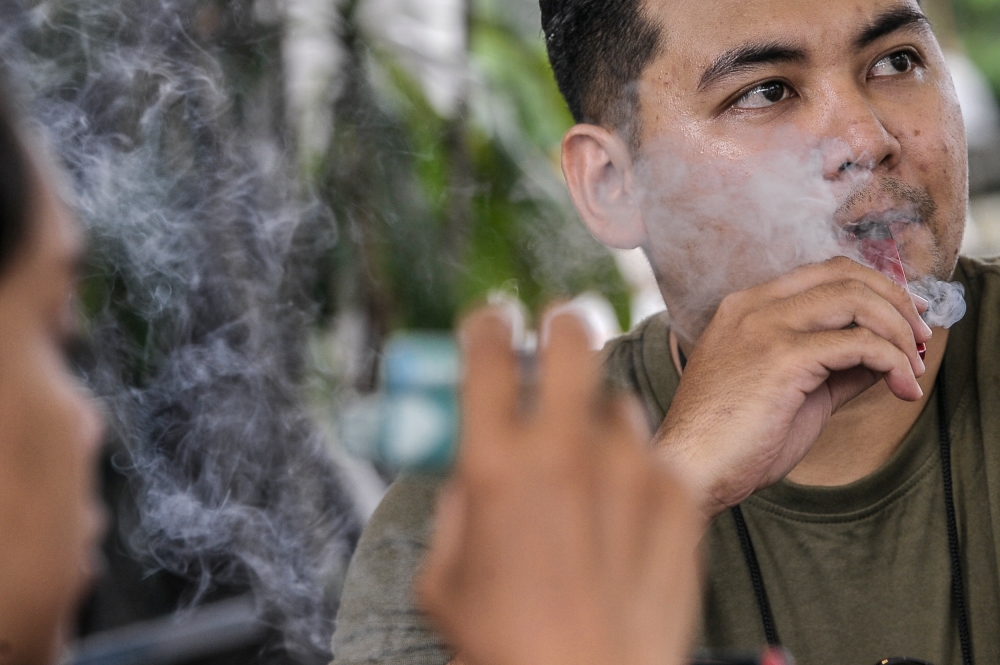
599,173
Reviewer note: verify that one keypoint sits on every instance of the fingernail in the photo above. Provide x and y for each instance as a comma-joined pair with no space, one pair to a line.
919,301
922,351
583,314
512,312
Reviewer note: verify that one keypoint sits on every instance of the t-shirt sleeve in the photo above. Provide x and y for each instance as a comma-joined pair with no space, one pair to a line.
640,363
378,621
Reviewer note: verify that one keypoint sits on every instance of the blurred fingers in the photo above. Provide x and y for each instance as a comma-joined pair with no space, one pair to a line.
490,383
436,578
569,372
628,415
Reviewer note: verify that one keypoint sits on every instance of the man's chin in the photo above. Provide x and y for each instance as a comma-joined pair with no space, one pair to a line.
920,254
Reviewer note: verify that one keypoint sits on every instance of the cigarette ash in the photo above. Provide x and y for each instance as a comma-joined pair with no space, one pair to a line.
208,242
720,225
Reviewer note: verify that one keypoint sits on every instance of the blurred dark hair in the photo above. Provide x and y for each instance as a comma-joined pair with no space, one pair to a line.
15,183
598,50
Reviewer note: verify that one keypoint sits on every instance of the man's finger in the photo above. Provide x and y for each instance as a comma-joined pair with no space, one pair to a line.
837,305
838,350
845,386
843,269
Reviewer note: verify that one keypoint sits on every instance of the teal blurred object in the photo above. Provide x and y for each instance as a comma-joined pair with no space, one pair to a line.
412,422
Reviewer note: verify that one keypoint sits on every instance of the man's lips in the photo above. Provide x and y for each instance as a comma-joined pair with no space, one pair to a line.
895,219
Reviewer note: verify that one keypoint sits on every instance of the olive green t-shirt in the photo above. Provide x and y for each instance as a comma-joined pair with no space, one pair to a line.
854,574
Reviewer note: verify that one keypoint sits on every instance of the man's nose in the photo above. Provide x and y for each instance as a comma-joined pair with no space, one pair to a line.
853,128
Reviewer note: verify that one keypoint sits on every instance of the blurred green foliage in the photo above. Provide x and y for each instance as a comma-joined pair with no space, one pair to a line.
437,212
978,24
434,211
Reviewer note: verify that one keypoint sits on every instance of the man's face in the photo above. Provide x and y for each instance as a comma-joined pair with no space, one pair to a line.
736,78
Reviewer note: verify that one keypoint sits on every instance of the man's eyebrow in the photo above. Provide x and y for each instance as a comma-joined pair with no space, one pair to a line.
749,56
890,21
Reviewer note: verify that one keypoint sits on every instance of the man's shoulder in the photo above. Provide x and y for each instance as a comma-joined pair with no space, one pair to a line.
623,355
979,270
640,362
657,324
378,621
981,277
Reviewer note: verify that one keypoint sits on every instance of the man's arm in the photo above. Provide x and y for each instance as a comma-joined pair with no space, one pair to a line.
560,538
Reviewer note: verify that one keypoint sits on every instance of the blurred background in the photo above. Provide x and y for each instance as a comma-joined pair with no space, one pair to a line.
271,189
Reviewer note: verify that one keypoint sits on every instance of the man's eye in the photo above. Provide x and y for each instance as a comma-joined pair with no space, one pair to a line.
764,95
900,62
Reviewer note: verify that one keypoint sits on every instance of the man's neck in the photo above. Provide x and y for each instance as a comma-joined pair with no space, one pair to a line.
862,436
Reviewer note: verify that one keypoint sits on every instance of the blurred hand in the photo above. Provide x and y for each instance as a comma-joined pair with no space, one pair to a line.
559,539
775,364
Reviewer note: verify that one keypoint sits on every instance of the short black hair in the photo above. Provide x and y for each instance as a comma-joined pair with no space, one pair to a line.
598,50
15,183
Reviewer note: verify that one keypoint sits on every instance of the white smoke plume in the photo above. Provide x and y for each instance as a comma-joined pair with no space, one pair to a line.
203,247
946,301
717,226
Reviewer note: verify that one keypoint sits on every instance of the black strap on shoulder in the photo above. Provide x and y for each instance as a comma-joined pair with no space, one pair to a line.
954,551
756,579
954,548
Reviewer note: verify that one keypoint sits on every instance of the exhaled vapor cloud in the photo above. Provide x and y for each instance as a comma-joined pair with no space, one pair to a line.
717,226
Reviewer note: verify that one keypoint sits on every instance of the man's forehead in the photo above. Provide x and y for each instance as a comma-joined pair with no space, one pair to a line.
697,30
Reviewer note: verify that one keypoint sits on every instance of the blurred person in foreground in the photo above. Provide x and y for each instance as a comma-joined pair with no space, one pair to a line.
558,538
850,488
616,509
50,430
590,478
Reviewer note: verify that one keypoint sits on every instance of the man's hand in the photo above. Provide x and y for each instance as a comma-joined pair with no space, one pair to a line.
559,539
775,364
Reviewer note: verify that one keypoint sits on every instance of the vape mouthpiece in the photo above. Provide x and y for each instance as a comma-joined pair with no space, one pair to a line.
871,231
879,250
